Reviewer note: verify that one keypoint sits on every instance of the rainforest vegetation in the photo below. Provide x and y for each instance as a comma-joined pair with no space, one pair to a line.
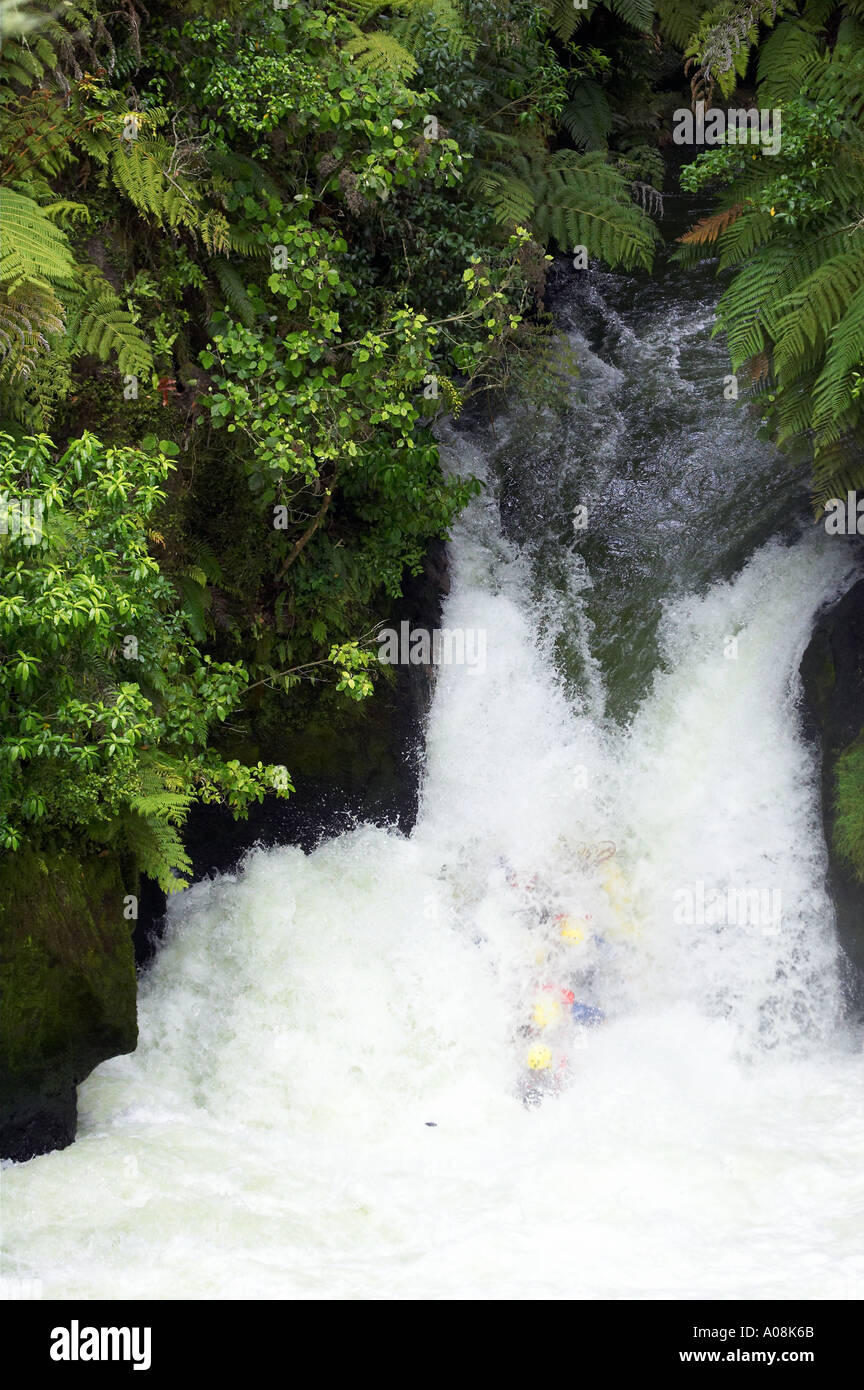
250,252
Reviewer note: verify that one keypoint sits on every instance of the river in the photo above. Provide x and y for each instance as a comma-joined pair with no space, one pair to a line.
325,1101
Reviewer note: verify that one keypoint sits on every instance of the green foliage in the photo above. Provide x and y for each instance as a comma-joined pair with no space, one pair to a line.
515,91
289,238
791,44
575,200
587,117
381,52
790,229
679,20
151,823
34,251
42,42
99,326
565,19
848,832
105,701
720,48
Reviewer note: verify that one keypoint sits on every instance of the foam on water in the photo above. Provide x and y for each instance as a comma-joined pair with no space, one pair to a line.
324,1100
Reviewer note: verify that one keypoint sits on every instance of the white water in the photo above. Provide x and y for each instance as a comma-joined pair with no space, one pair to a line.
308,1017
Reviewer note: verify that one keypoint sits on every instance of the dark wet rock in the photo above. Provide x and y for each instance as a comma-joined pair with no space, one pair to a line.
832,674
67,973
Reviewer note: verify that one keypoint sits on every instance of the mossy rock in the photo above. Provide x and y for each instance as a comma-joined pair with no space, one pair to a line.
848,828
67,973
832,673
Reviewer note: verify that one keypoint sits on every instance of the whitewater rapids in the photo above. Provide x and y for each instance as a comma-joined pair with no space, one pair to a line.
323,1103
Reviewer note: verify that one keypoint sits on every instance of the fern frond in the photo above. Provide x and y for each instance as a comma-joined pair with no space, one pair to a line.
193,594
215,232
832,392
34,251
708,229
574,199
564,18
380,52
99,326
418,17
781,57
585,202
157,807
806,315
140,169
679,20
838,468
743,236
637,13
157,847
28,318
587,117
234,290
511,199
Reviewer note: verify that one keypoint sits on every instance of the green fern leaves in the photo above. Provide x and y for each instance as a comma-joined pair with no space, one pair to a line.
34,251
575,200
792,232
140,168
101,327
157,809
780,56
29,318
587,117
379,52
234,290
36,267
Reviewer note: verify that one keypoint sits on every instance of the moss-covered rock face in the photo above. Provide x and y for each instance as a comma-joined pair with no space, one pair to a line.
832,673
67,974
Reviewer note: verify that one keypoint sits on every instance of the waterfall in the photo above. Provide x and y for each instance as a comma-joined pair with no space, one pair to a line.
325,1101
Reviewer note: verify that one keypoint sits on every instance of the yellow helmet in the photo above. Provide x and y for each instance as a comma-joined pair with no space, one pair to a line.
572,929
547,1010
539,1057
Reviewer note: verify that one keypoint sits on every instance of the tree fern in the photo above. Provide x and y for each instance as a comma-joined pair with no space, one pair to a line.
575,200
637,13
157,847
415,18
564,18
192,585
587,117
231,284
791,44
29,317
679,19
141,169
45,40
743,237
708,229
832,391
100,327
157,807
806,315
838,468
380,52
740,312
584,202
512,199
34,250
720,48
850,33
